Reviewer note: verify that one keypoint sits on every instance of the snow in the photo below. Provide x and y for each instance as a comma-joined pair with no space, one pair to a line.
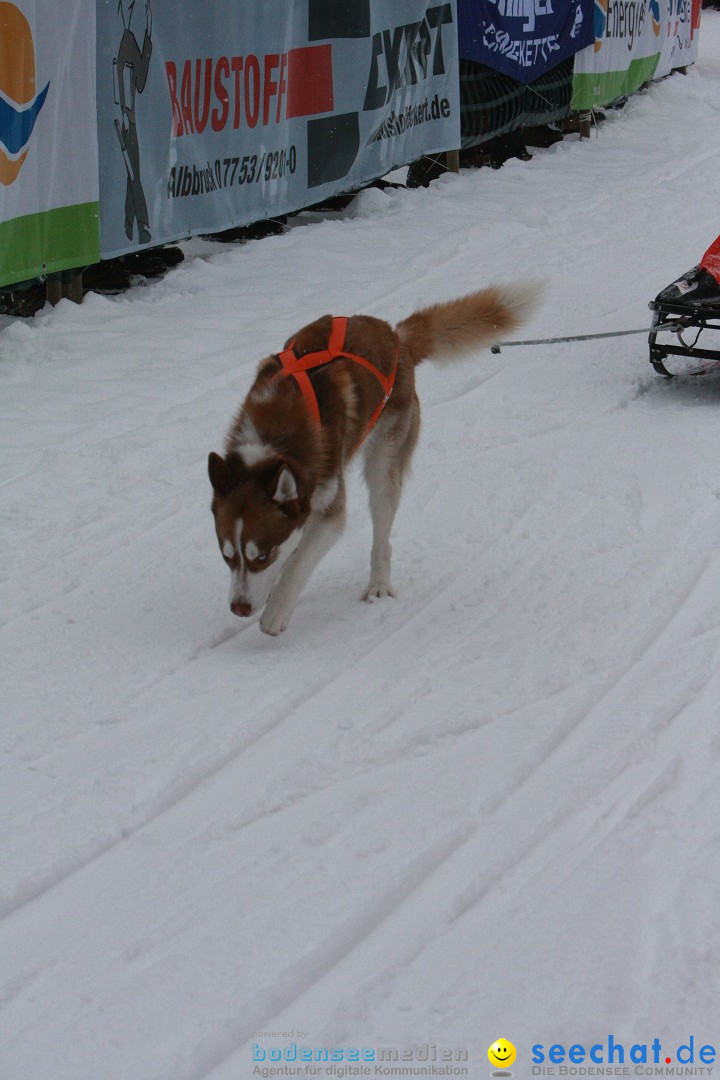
487,808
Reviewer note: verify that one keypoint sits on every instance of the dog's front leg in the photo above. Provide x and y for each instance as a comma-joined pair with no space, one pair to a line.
320,533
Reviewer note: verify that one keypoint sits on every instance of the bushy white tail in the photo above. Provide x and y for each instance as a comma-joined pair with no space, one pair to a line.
456,327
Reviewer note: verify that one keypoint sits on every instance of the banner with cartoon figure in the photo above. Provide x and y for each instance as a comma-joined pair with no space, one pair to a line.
219,114
524,38
635,41
48,138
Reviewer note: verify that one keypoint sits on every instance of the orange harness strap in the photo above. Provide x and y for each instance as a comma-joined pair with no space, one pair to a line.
298,367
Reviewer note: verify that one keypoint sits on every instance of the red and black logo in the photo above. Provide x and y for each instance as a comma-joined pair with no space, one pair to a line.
402,55
244,91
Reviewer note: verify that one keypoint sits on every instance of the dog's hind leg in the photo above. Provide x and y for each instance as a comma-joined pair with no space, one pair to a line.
388,457
321,531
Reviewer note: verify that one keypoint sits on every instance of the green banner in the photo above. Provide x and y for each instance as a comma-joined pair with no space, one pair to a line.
595,88
39,244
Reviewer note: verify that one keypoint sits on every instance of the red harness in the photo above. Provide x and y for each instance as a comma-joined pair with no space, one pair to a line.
298,367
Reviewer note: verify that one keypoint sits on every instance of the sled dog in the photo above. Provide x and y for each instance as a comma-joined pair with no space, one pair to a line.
339,384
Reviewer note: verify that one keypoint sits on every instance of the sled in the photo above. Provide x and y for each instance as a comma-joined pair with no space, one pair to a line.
692,304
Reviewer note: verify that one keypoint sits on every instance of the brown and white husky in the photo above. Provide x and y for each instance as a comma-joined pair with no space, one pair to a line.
279,491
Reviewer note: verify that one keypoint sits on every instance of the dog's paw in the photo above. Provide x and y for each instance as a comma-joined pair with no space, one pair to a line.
278,609
274,622
275,617
377,589
273,626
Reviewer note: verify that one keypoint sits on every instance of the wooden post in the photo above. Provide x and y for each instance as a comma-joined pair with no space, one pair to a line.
73,289
452,160
580,122
64,286
53,289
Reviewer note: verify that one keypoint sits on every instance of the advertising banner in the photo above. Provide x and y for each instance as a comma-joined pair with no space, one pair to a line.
48,138
219,114
635,41
524,38
680,40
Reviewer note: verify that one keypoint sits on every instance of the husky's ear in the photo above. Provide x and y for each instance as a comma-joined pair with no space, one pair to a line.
286,488
219,473
290,488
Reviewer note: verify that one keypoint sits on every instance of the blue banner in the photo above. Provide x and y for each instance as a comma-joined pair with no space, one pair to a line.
524,38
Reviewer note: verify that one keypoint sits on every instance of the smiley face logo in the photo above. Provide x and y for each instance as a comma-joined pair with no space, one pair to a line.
502,1054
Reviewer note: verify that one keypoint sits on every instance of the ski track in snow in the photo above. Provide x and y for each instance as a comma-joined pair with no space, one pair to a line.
487,807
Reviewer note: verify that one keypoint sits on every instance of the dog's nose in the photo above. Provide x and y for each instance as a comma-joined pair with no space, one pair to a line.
241,607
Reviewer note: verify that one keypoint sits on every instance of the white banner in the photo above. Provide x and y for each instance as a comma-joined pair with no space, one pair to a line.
48,143
48,138
635,41
680,40
237,112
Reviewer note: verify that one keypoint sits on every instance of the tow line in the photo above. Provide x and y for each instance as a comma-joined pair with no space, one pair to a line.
675,327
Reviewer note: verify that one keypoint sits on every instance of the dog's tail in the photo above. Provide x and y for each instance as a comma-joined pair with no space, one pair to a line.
445,331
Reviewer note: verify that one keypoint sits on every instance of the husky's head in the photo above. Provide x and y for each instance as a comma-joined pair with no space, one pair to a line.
259,516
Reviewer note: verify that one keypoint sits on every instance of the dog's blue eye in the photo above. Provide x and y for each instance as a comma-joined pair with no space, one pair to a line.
254,554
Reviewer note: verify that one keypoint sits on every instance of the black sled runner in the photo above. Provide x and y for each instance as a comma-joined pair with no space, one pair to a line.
692,304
